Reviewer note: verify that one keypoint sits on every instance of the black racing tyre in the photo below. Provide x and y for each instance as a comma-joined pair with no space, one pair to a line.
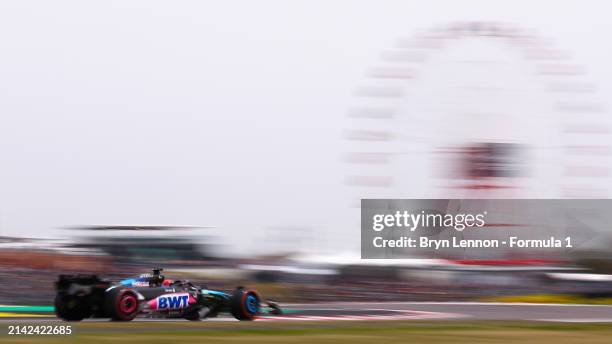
121,304
245,304
71,307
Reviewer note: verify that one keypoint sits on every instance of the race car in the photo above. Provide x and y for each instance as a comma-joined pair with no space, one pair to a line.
84,296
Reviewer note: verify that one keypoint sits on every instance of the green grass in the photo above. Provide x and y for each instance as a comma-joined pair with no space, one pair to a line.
329,332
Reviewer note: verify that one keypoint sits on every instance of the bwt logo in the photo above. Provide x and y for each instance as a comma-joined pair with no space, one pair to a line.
172,301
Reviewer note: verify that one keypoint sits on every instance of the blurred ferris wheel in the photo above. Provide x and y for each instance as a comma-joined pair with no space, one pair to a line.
477,110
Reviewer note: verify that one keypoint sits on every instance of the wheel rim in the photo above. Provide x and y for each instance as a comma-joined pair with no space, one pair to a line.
252,304
128,304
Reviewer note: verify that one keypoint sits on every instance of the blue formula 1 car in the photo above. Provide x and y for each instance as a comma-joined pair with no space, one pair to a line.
84,296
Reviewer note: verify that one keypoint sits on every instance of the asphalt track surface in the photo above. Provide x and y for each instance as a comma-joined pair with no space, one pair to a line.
406,311
487,311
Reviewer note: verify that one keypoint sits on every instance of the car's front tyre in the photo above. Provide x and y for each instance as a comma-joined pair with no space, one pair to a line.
245,304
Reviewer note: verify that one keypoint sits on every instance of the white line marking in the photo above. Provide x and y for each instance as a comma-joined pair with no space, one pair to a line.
450,303
395,315
580,320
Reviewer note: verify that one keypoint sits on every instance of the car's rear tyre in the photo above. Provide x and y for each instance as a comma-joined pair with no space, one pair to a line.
71,307
245,304
122,304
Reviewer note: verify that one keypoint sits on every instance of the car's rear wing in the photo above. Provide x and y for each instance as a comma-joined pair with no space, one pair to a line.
66,281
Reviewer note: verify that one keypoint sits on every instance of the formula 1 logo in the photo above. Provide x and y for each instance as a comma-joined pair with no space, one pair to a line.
170,302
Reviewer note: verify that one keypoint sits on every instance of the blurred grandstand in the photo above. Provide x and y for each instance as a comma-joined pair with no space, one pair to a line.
28,268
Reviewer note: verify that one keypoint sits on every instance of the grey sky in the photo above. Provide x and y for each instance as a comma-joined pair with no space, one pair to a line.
226,113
